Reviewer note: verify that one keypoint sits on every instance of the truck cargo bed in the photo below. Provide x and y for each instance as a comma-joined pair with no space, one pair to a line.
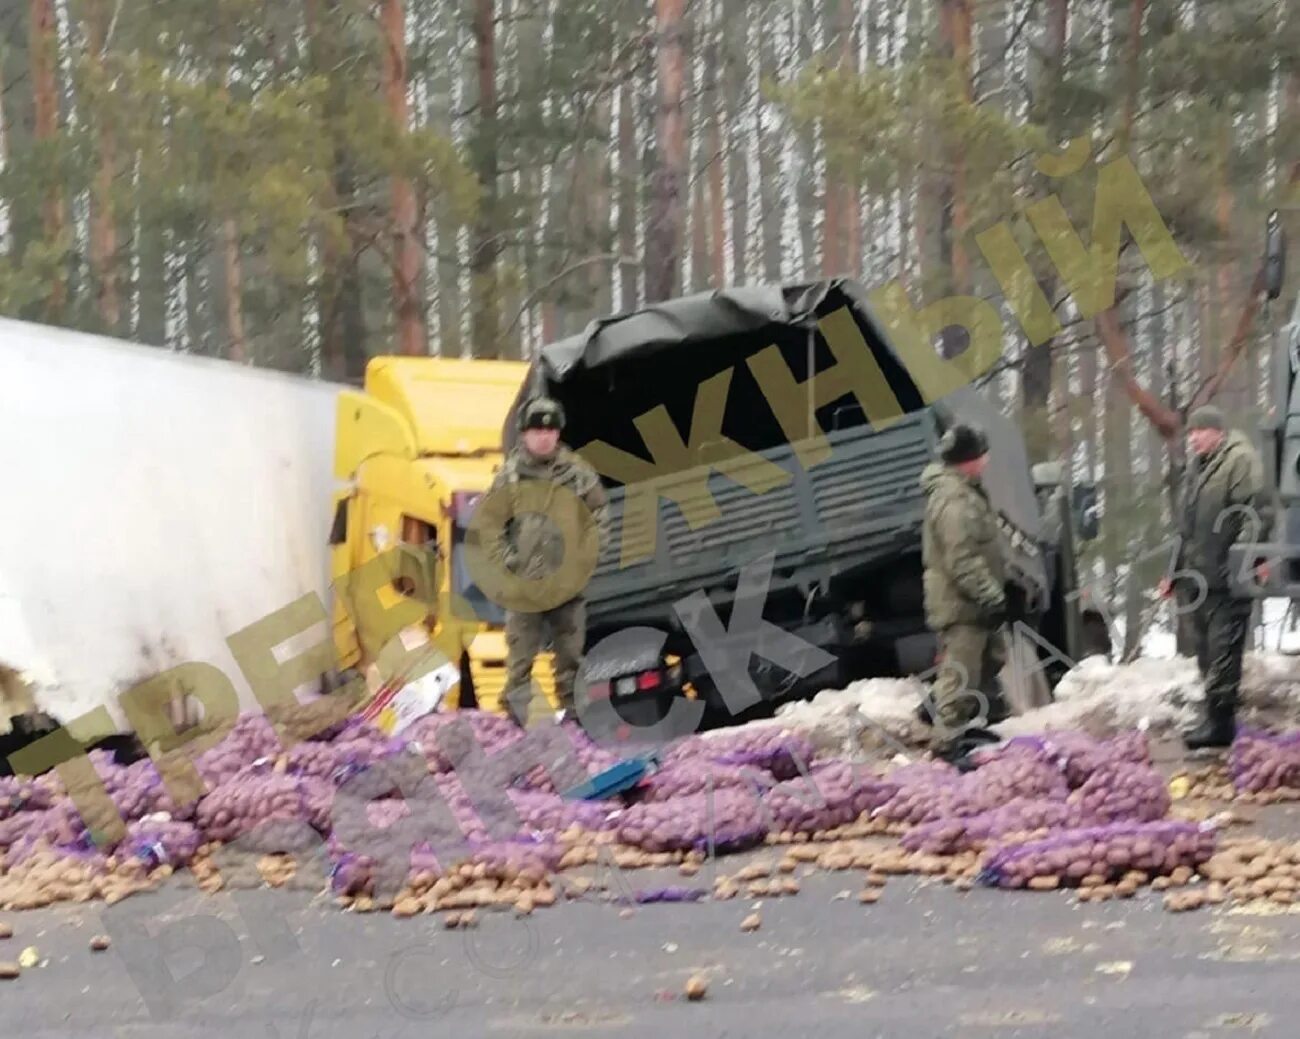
861,506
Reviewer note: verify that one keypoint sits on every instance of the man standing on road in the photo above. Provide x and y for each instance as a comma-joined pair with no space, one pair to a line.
1224,503
965,593
533,547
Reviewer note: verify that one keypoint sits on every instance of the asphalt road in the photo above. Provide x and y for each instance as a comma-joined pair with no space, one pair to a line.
925,961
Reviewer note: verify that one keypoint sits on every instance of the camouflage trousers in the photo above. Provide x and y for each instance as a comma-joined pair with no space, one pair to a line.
524,640
970,660
1220,626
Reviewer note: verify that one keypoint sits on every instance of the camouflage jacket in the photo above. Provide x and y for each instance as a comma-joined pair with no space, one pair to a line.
1220,491
965,573
532,545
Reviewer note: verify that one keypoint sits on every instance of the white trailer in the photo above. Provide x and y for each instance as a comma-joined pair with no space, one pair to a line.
155,504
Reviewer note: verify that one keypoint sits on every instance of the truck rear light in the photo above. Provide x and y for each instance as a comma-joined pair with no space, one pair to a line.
648,680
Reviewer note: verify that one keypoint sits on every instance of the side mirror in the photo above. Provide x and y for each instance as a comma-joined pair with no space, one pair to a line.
1274,256
1087,512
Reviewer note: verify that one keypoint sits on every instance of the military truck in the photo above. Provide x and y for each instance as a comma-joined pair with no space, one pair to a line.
1279,443
839,520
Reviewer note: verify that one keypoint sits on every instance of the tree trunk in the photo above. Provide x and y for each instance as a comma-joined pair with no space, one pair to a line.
1133,72
44,60
24,220
484,247
771,193
103,222
441,103
237,347
628,174
716,161
806,183
663,237
232,260
406,262
735,77
1036,371
956,28
852,189
1234,395
837,195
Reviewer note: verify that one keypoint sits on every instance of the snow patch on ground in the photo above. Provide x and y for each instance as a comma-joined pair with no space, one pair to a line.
1162,695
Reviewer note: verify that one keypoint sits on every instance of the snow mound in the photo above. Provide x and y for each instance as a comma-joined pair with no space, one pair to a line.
1100,697
871,712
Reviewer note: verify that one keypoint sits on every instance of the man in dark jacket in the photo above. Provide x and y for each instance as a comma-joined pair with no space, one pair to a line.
965,593
1224,503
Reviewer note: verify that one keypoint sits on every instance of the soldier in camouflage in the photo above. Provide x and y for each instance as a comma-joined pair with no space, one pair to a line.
965,594
1224,503
533,547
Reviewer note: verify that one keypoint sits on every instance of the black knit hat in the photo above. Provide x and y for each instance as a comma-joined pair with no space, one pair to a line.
962,443
541,413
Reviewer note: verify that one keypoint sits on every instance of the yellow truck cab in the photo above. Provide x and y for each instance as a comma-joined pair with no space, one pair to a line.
418,446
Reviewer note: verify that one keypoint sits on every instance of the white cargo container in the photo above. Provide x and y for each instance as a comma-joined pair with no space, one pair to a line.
155,504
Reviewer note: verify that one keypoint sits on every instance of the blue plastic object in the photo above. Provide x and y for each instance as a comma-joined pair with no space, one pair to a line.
614,780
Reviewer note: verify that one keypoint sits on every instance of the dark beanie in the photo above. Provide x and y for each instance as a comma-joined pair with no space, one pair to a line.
962,444
1207,416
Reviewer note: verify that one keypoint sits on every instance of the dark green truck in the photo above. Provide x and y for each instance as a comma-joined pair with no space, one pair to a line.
841,538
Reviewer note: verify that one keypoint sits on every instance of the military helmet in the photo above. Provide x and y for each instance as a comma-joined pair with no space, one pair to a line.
962,443
541,413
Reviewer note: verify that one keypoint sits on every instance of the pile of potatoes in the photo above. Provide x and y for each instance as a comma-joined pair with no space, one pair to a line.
1256,868
1266,764
252,798
1122,791
1019,819
832,795
47,877
731,820
778,751
1068,858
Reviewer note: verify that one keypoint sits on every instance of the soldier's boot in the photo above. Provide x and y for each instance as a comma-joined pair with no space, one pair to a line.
999,709
1217,730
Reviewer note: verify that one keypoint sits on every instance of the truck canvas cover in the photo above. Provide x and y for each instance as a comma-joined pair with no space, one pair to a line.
861,504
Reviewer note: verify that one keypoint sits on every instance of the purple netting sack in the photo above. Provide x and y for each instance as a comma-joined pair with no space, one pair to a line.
832,794
1076,754
1021,815
493,732
60,826
551,813
778,751
693,776
672,893
321,760
1122,791
25,794
250,739
926,793
1106,851
732,818
1261,761
256,799
160,842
